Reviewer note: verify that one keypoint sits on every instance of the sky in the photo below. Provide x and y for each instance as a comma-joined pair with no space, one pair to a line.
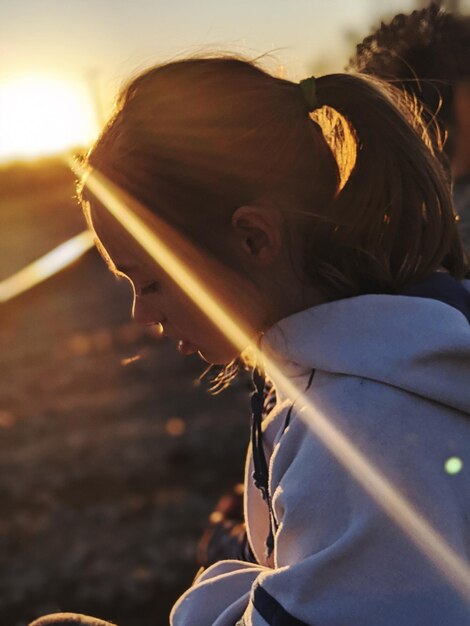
107,40
98,44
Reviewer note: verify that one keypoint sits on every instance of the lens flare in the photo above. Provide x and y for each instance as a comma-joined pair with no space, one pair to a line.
143,227
453,465
46,266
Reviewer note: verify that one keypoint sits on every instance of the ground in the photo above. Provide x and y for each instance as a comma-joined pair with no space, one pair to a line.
109,465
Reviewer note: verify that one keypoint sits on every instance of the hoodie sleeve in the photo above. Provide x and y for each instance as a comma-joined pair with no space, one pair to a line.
218,597
338,559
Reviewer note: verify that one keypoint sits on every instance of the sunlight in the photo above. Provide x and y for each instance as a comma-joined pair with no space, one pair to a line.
45,267
42,115
135,218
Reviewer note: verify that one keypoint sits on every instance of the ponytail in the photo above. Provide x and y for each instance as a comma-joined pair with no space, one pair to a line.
392,223
366,200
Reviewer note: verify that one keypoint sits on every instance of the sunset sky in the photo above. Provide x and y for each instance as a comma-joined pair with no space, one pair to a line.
91,46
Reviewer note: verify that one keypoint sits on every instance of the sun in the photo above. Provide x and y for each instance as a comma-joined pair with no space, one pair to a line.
44,115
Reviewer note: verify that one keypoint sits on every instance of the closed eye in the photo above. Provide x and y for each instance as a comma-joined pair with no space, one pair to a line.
152,287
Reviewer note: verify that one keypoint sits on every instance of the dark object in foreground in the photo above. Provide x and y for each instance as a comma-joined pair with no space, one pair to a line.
225,536
69,619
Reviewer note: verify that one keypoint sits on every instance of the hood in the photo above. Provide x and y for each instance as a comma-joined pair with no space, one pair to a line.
416,343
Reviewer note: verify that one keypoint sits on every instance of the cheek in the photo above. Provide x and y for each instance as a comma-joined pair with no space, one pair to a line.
213,345
194,325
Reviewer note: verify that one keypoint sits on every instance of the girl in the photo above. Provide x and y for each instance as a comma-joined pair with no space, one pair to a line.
327,228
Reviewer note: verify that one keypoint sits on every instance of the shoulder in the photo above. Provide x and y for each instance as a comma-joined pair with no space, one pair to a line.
363,408
407,438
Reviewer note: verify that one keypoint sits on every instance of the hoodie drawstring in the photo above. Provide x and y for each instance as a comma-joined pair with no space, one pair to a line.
261,472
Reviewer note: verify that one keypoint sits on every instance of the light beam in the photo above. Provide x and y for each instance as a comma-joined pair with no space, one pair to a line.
135,219
45,267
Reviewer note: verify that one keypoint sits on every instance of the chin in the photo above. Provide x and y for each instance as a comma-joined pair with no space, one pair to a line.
218,357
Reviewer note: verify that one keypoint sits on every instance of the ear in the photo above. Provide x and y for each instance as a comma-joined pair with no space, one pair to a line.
258,231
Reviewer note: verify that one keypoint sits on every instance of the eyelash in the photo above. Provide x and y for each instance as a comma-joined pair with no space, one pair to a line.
152,287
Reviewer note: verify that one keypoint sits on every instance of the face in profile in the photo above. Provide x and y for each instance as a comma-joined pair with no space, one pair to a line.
158,300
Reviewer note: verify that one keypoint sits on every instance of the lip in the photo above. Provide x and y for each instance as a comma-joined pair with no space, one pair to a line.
186,347
182,345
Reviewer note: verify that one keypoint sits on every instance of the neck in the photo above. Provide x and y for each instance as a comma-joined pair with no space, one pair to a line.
288,297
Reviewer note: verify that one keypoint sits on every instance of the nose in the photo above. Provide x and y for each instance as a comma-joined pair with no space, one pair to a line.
144,314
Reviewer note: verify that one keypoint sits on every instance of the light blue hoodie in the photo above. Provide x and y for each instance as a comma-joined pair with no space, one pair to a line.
393,373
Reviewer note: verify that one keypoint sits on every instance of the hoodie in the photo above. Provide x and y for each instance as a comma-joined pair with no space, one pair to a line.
393,374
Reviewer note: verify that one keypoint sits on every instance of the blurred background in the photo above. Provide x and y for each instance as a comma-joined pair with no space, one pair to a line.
112,453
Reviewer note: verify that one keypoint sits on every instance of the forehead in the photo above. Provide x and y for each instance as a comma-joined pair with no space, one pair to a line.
118,247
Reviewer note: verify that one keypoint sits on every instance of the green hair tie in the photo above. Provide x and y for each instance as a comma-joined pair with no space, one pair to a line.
309,90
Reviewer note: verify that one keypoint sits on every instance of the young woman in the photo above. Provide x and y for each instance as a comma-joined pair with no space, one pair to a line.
325,225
